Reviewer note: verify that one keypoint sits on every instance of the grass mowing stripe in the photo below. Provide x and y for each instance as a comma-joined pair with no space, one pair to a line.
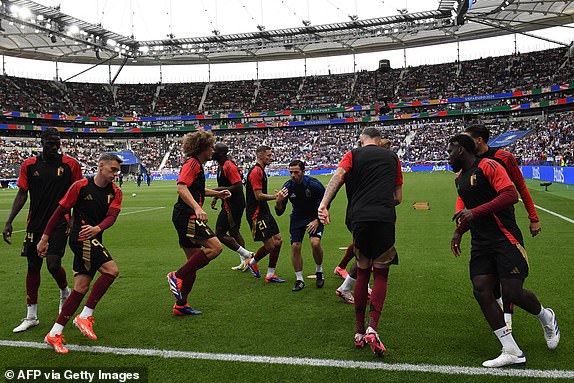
401,367
130,212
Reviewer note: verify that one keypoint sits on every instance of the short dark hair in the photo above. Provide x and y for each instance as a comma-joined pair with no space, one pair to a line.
110,157
371,132
299,163
478,131
465,141
49,132
262,149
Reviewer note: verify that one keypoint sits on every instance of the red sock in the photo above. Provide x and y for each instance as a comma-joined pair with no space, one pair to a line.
274,256
100,287
349,254
32,286
361,297
186,287
261,253
69,307
194,263
378,296
60,278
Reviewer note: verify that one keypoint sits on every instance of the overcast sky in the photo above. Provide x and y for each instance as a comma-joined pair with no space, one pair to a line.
155,19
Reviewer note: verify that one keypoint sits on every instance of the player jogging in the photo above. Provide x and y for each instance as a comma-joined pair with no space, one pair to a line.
481,135
198,241
96,204
229,218
263,225
375,174
485,202
305,194
46,177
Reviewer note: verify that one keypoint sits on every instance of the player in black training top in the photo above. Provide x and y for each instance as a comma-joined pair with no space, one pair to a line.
198,241
262,224
46,177
375,175
305,194
96,204
229,218
485,202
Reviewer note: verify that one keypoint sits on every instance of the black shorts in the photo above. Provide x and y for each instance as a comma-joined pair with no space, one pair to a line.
89,256
298,228
228,220
373,239
506,260
190,230
263,228
56,243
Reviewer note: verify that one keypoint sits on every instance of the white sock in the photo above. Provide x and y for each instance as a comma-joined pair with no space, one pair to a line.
508,318
348,284
243,253
64,292
504,335
86,312
56,329
299,275
499,301
32,311
271,271
253,261
318,268
544,316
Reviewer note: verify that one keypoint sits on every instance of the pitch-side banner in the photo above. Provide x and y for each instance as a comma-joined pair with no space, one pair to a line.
563,175
508,138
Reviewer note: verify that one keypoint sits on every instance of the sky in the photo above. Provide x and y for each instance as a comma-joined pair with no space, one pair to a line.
155,19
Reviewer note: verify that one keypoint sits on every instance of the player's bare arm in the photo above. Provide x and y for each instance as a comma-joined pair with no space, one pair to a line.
332,188
17,205
260,196
186,196
221,194
398,194
236,187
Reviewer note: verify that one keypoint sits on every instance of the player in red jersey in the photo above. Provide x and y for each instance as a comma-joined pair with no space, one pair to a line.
375,174
485,202
263,226
198,241
481,135
46,178
96,204
229,218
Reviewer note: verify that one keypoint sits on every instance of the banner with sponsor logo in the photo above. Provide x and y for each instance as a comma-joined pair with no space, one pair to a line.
563,175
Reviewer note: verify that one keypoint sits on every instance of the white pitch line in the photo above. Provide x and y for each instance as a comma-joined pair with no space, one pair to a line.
398,367
555,214
129,212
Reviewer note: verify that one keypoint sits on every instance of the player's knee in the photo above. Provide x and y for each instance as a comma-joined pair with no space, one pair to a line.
216,248
278,241
481,294
296,247
316,245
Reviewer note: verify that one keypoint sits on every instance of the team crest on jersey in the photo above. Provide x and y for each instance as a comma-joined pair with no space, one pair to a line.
60,171
307,193
473,179
110,198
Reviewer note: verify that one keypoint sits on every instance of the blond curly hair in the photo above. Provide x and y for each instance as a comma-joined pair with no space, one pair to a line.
196,142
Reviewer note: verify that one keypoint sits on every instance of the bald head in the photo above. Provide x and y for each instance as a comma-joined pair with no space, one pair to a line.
220,153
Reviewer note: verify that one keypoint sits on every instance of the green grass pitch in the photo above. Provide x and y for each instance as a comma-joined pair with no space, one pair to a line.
430,316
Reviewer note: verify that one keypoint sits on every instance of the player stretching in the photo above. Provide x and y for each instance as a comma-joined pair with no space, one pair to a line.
47,177
229,218
485,204
305,194
480,135
96,202
263,225
375,175
197,240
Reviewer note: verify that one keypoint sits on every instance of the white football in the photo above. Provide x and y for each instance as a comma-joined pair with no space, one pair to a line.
133,194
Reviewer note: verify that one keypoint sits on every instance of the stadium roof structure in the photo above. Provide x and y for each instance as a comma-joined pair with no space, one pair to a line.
34,31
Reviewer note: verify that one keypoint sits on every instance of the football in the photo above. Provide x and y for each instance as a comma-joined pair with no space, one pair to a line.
133,194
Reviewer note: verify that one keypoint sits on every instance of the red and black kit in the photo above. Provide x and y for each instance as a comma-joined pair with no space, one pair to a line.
232,208
263,225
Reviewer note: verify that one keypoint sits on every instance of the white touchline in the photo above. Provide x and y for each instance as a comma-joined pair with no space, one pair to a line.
404,367
129,212
553,213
